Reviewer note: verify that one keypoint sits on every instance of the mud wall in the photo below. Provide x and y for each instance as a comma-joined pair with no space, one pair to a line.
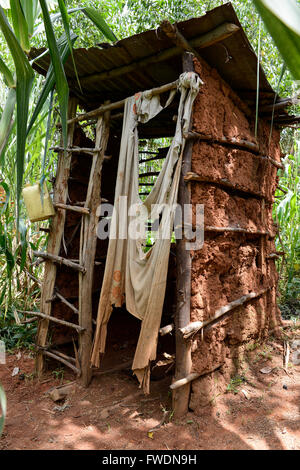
238,191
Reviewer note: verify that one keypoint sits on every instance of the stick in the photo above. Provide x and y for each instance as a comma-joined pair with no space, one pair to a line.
189,378
183,363
209,228
64,356
60,359
54,319
191,176
223,140
171,31
119,104
252,147
63,300
59,260
76,149
125,365
194,327
81,210
166,329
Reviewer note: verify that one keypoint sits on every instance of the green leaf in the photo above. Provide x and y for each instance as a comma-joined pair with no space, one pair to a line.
23,231
7,196
20,24
8,76
25,78
65,19
6,122
282,20
30,9
64,51
3,408
60,77
101,24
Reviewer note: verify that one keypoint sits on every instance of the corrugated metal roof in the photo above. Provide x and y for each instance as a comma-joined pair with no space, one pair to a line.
234,58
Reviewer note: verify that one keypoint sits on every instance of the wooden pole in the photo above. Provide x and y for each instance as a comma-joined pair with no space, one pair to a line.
244,144
55,238
194,327
119,104
171,31
191,176
59,260
54,319
81,210
224,140
88,242
165,330
183,364
60,359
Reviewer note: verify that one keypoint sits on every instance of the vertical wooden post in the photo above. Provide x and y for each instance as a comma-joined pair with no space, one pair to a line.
88,243
55,236
183,265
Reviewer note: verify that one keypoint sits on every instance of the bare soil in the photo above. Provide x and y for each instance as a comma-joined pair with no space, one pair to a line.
259,411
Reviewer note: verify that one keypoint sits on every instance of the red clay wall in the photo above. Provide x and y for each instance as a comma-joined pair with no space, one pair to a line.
230,265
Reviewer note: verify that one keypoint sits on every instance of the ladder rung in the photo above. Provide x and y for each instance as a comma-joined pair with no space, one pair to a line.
60,359
88,151
64,356
60,260
96,263
158,157
54,319
76,149
82,210
57,295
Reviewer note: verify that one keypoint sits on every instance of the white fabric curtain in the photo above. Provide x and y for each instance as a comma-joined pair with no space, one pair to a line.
131,275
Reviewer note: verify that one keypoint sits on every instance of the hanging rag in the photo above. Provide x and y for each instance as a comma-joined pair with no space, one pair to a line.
131,275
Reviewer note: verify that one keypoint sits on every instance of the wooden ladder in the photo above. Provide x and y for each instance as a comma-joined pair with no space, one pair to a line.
87,251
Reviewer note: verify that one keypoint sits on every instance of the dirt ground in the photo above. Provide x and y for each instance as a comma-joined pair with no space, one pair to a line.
259,410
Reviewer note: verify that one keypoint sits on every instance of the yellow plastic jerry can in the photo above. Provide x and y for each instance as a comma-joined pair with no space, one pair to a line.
32,199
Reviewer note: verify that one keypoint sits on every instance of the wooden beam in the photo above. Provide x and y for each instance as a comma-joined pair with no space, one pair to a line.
211,228
76,149
194,327
185,381
119,104
59,260
87,251
54,319
166,329
171,31
280,104
183,365
244,144
253,147
81,210
65,301
191,176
